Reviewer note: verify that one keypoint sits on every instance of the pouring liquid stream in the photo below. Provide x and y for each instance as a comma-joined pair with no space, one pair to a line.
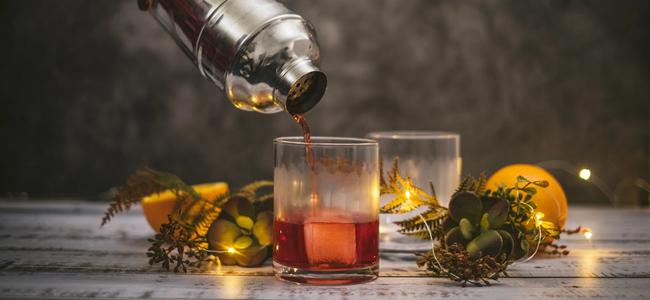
323,237
309,157
306,133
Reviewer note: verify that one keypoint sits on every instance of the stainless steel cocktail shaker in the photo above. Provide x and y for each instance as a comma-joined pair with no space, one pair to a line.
261,54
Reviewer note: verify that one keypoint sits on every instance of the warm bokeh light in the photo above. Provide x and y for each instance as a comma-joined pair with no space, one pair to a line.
231,286
588,263
231,250
588,233
585,174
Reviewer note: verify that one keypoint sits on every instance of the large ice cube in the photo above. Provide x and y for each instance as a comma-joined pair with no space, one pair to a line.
330,239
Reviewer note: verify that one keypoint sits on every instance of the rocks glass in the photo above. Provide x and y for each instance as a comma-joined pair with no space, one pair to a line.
326,202
424,156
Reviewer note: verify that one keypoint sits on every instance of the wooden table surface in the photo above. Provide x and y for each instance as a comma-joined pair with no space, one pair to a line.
51,249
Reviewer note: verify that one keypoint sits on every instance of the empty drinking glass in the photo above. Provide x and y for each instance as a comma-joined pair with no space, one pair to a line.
424,156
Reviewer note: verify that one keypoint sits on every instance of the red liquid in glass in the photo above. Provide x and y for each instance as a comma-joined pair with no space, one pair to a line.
326,245
324,239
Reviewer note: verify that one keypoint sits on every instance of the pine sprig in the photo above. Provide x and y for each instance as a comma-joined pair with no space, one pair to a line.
553,248
141,184
457,265
177,247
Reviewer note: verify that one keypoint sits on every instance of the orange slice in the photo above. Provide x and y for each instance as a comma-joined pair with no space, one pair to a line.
156,207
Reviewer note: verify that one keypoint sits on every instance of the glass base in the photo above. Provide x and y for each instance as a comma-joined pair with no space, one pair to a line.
326,277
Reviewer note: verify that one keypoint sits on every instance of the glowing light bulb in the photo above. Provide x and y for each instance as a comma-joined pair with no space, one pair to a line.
585,174
231,250
588,234
407,203
538,218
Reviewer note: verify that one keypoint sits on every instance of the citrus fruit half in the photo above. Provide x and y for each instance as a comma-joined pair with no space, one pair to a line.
156,207
551,201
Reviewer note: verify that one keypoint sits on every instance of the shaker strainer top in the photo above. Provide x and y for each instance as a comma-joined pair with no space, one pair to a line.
306,92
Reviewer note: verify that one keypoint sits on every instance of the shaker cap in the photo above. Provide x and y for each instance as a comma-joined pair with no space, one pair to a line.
306,84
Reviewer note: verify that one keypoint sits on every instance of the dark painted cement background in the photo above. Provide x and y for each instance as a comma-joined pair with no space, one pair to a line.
92,90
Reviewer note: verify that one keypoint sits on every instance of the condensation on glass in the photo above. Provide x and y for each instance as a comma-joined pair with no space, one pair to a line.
326,203
424,156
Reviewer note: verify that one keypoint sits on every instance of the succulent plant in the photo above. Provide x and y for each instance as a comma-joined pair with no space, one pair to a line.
242,233
477,223
481,231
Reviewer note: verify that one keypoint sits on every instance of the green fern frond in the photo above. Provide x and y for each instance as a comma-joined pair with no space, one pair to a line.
434,197
409,197
393,205
409,222
465,185
480,184
422,234
433,217
143,183
256,185
265,198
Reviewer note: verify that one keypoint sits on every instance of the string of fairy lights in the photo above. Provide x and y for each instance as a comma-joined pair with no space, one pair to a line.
586,232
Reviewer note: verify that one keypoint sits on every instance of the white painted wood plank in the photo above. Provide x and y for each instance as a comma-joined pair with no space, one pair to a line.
56,249
83,217
581,263
66,237
169,286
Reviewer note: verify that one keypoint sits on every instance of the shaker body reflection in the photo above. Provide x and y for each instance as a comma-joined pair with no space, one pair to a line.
261,54
326,220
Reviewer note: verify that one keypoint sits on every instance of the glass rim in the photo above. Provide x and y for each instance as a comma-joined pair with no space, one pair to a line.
413,135
325,141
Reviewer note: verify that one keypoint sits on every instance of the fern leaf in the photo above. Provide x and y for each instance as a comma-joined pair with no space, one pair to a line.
422,234
463,186
481,184
411,227
393,205
265,197
433,217
434,197
139,185
256,185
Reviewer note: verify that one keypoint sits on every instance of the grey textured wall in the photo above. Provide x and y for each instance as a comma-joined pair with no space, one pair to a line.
92,90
